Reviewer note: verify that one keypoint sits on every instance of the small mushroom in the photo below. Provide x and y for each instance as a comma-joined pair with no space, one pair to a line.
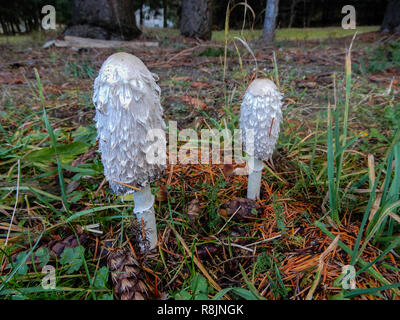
127,101
260,119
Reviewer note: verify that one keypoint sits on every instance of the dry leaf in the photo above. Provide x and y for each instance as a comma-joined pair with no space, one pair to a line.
200,85
194,210
193,102
242,209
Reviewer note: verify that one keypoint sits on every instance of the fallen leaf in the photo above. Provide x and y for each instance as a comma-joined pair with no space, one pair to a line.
193,102
242,209
193,211
228,169
161,194
181,78
200,85
11,81
308,84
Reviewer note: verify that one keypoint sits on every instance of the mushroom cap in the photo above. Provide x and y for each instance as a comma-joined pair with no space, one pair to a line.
262,87
261,115
126,65
127,101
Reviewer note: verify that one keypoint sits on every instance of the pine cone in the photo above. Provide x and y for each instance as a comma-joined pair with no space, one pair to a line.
126,276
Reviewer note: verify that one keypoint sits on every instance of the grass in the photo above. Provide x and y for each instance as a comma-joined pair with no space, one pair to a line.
297,33
336,172
19,40
281,34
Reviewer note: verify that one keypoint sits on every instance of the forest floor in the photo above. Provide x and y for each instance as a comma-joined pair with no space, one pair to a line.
212,241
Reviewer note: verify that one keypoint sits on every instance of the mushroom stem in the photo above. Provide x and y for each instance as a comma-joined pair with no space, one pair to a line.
254,183
144,211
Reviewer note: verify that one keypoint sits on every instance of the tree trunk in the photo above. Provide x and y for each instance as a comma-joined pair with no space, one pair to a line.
165,23
17,25
271,12
12,28
310,13
196,19
3,26
103,19
141,14
391,20
292,12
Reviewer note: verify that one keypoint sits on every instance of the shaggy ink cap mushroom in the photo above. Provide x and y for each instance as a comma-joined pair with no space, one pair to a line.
260,119
127,101
261,112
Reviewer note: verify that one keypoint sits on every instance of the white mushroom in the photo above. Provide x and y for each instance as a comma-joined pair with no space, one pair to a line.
260,120
127,101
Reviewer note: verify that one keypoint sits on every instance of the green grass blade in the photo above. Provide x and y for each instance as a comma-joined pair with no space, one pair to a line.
390,247
364,221
53,143
360,261
249,284
331,168
357,292
16,268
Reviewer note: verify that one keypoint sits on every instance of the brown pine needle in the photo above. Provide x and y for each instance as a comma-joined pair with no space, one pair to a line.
126,185
321,265
270,128
198,263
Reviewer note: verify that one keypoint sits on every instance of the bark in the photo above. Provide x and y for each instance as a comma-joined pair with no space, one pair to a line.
391,20
3,26
310,13
165,24
271,12
16,23
141,13
292,12
196,19
103,19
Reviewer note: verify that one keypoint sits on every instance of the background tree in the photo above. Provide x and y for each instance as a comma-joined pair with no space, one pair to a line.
391,20
103,19
196,19
271,11
25,15
292,12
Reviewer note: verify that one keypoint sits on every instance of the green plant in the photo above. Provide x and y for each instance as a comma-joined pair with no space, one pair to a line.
196,290
381,58
71,258
279,214
379,217
337,144
81,70
379,210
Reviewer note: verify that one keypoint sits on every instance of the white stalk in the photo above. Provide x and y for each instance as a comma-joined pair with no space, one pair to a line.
145,215
254,182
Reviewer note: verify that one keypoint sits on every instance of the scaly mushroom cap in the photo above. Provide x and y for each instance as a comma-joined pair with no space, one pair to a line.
127,101
261,112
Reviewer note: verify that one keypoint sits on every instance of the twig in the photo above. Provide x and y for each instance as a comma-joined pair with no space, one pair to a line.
321,265
15,205
197,262
265,240
240,207
238,246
